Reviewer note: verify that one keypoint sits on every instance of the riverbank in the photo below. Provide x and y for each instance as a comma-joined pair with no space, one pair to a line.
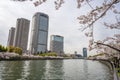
111,66
28,58
14,56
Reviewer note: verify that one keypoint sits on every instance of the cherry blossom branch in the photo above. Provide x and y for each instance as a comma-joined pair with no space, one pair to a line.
87,19
89,4
113,26
58,4
98,43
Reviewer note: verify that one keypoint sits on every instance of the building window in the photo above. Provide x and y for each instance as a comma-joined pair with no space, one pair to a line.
43,23
42,38
41,48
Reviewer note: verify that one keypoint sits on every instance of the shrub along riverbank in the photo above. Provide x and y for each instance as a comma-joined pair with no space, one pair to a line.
11,49
15,53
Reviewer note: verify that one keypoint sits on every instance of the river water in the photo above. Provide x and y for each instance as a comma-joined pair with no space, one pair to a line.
71,69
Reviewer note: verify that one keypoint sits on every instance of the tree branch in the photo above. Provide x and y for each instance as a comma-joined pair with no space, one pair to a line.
89,4
100,15
98,43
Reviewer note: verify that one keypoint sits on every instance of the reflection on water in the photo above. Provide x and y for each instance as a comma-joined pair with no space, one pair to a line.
26,69
11,69
37,69
85,70
54,69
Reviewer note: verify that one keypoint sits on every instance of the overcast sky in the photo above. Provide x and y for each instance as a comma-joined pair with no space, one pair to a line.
61,22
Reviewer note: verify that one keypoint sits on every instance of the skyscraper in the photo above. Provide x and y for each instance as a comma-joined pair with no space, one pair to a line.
21,33
11,36
56,44
85,52
39,33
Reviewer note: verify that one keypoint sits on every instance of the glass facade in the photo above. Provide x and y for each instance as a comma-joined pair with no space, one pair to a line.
43,23
42,33
84,52
42,37
57,38
41,48
57,44
39,33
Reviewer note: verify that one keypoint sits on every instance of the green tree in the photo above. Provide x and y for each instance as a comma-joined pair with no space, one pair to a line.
10,49
0,48
41,52
52,54
3,48
38,53
18,50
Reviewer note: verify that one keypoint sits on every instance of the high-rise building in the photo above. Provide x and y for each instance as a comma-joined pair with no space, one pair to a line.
21,34
11,36
57,44
39,32
85,52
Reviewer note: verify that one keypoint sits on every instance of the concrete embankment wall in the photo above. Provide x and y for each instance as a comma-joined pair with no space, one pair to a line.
112,68
108,64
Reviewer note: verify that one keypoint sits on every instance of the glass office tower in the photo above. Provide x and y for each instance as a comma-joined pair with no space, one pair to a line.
57,44
85,52
39,33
